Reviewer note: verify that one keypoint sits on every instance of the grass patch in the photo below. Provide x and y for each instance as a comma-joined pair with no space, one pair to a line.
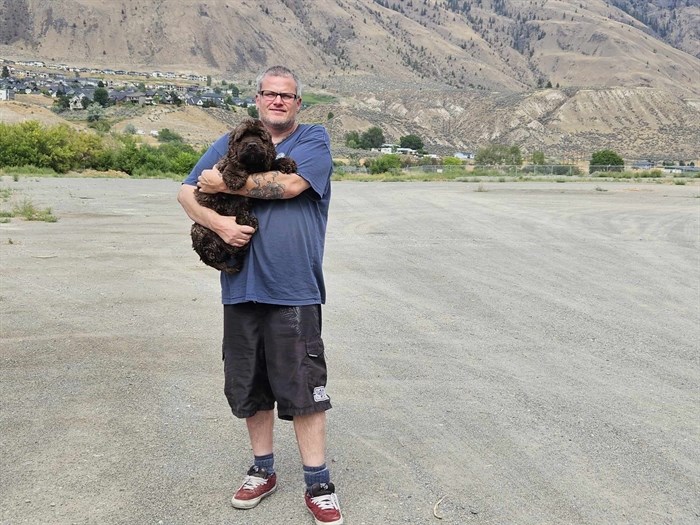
317,98
16,171
28,211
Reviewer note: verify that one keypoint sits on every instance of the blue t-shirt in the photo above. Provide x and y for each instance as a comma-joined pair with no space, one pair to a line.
284,261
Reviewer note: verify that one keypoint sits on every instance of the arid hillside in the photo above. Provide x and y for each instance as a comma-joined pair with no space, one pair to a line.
509,45
565,75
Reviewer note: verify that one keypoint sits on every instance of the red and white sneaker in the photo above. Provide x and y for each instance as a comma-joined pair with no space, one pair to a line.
256,485
322,503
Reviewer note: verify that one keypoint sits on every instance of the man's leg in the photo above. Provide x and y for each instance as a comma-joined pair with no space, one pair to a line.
260,431
320,497
311,438
261,480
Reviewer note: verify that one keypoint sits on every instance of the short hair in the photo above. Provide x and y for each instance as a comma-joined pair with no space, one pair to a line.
278,71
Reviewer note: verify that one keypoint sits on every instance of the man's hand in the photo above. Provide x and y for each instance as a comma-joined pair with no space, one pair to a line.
225,227
211,181
231,232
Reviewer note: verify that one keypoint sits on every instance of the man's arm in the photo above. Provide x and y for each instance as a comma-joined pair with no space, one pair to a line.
225,227
265,185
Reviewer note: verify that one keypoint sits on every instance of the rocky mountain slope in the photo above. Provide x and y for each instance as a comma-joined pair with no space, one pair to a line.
460,73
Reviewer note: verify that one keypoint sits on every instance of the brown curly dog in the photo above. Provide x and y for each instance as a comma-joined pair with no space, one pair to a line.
250,150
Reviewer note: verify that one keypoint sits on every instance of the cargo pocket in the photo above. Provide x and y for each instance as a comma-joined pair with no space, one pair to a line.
316,369
314,348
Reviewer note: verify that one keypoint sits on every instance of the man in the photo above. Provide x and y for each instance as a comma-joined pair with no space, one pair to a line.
272,347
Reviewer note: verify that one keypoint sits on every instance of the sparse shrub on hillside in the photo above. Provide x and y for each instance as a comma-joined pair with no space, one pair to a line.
166,135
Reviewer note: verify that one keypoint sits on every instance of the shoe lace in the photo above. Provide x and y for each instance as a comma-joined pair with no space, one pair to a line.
326,501
252,482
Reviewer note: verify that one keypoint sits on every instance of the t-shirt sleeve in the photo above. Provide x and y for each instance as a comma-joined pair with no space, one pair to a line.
314,161
208,160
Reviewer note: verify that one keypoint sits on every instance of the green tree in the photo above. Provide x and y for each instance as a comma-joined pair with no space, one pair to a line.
411,141
252,111
62,102
494,154
95,112
538,158
208,80
605,160
234,90
352,139
5,72
101,97
372,138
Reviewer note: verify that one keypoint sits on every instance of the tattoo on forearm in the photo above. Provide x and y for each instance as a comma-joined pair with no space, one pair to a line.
266,187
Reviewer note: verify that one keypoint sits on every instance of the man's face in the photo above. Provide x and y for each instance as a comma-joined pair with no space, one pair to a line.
275,112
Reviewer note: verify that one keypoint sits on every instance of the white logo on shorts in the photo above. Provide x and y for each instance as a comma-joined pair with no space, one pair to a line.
320,394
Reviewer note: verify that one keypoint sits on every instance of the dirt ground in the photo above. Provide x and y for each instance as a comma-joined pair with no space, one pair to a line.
522,354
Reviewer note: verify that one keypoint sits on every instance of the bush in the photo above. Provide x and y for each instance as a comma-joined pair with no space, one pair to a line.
61,149
385,163
165,135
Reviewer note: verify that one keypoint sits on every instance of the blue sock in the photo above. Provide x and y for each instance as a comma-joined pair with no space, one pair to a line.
267,462
316,475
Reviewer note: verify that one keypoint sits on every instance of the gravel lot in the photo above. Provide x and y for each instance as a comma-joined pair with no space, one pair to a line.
526,354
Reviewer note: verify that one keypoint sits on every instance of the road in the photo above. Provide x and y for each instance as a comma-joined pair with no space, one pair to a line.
521,353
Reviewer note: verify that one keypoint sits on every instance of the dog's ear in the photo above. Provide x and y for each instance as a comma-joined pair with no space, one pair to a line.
259,128
242,129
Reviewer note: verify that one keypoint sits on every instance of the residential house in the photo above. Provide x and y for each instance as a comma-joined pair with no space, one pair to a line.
76,102
6,94
462,155
406,151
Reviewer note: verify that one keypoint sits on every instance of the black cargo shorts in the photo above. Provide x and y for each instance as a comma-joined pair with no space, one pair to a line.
274,355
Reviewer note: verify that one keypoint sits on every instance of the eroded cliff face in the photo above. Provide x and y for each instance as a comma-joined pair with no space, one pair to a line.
637,122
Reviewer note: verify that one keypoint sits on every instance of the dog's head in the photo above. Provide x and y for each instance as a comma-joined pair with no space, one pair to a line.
252,145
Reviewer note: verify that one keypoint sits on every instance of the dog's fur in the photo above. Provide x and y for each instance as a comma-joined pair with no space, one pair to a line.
250,150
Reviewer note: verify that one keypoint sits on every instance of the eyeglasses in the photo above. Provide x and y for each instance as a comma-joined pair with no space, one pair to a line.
272,95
